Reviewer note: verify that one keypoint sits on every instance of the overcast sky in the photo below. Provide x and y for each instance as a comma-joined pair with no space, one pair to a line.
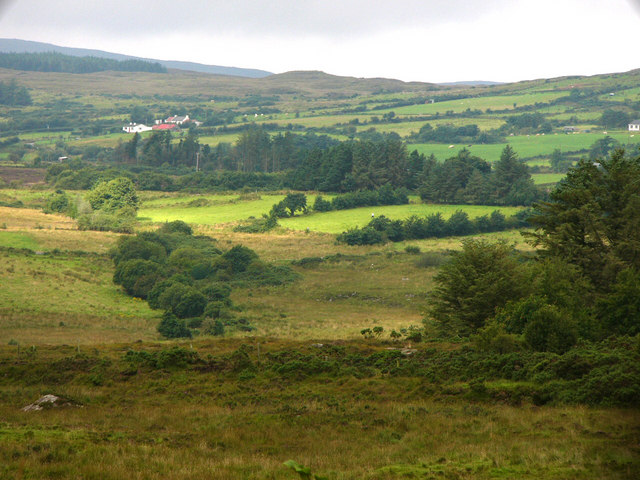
423,40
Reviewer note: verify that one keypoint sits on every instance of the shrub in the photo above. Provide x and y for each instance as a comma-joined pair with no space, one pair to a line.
171,327
361,236
183,301
177,226
550,330
137,247
257,225
185,258
114,195
138,276
213,327
321,205
119,222
459,224
493,338
59,202
240,257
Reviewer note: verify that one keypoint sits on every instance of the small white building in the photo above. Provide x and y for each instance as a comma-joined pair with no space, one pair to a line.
136,128
178,120
634,126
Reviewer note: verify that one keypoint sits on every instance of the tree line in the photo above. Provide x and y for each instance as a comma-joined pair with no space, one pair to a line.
58,62
310,162
382,229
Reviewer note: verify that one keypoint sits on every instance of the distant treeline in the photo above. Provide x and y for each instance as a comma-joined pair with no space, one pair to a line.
309,162
57,62
13,94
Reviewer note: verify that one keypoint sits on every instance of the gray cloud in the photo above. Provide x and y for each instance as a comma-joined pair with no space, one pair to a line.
636,4
343,18
4,5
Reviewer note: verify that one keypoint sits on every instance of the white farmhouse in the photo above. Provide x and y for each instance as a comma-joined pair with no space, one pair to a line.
634,126
136,128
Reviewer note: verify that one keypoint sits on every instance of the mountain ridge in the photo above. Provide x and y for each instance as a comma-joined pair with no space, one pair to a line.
13,45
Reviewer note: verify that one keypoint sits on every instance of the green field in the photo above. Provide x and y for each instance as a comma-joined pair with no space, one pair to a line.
17,240
547,178
213,215
502,102
527,146
340,220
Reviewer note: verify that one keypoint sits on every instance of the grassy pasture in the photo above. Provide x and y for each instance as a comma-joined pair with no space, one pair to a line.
211,215
526,146
547,178
217,139
26,218
338,221
406,128
501,102
18,240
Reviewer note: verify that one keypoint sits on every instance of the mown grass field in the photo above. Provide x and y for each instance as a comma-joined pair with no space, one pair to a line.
527,146
340,220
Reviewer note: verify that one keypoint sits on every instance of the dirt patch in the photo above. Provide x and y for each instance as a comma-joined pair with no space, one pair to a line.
25,176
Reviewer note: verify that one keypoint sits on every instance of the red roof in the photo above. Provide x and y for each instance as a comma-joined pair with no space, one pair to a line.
164,126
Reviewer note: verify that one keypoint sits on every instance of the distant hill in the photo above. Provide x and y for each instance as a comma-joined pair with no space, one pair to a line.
314,80
473,83
24,46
